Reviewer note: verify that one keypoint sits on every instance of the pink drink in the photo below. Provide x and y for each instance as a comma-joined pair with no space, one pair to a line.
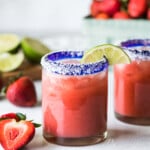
132,92
132,84
74,108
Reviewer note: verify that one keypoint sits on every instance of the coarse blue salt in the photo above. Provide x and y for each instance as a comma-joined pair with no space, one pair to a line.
137,48
53,62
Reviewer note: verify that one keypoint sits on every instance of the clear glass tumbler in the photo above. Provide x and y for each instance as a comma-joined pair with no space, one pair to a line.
132,84
74,99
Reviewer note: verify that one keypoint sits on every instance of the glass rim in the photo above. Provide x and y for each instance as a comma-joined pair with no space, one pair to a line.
52,62
137,48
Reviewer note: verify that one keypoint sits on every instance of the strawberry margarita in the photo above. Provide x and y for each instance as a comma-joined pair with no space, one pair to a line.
132,84
74,100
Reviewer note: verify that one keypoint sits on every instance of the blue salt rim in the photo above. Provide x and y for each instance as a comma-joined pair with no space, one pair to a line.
52,62
138,48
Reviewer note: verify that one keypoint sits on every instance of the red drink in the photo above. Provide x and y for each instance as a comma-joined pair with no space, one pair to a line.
132,92
74,108
132,89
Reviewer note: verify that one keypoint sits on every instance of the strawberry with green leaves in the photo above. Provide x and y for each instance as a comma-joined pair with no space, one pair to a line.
11,115
16,133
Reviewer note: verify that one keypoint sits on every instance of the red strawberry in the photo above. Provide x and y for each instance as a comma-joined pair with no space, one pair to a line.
22,92
137,8
16,116
121,15
94,8
14,135
148,14
102,16
109,6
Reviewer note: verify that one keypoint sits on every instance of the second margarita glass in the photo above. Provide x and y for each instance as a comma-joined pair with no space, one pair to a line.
132,84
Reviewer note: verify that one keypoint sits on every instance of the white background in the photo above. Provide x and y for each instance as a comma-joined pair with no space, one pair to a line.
42,16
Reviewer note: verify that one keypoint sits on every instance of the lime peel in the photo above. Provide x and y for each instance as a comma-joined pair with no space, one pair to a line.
114,54
34,49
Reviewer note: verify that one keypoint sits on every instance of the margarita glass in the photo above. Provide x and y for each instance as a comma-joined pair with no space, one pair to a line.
132,84
74,99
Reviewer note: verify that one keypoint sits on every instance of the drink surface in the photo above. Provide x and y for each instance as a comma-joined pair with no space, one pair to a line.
74,106
132,89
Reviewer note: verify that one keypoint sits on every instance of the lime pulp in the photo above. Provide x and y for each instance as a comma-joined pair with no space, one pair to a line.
8,42
114,54
10,62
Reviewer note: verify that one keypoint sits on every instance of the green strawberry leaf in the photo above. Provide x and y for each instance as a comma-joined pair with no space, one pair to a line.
21,116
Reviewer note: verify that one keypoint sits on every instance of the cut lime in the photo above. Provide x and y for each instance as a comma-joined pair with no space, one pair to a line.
34,49
9,62
8,42
114,54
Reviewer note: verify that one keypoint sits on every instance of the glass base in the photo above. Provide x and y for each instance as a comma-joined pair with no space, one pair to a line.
76,141
133,120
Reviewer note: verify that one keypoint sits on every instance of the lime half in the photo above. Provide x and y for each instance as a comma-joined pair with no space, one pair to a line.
34,49
114,54
8,42
9,62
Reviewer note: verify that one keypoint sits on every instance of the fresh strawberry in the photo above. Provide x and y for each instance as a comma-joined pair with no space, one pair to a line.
94,8
22,92
121,15
137,8
102,16
11,115
109,6
16,134
148,13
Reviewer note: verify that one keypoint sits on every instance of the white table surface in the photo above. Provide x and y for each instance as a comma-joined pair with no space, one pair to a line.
121,136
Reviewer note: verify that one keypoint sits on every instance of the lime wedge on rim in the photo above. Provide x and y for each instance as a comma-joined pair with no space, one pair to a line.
9,62
114,54
34,49
8,42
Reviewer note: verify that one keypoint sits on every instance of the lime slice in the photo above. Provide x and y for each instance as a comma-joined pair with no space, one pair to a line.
8,42
34,49
114,54
9,62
